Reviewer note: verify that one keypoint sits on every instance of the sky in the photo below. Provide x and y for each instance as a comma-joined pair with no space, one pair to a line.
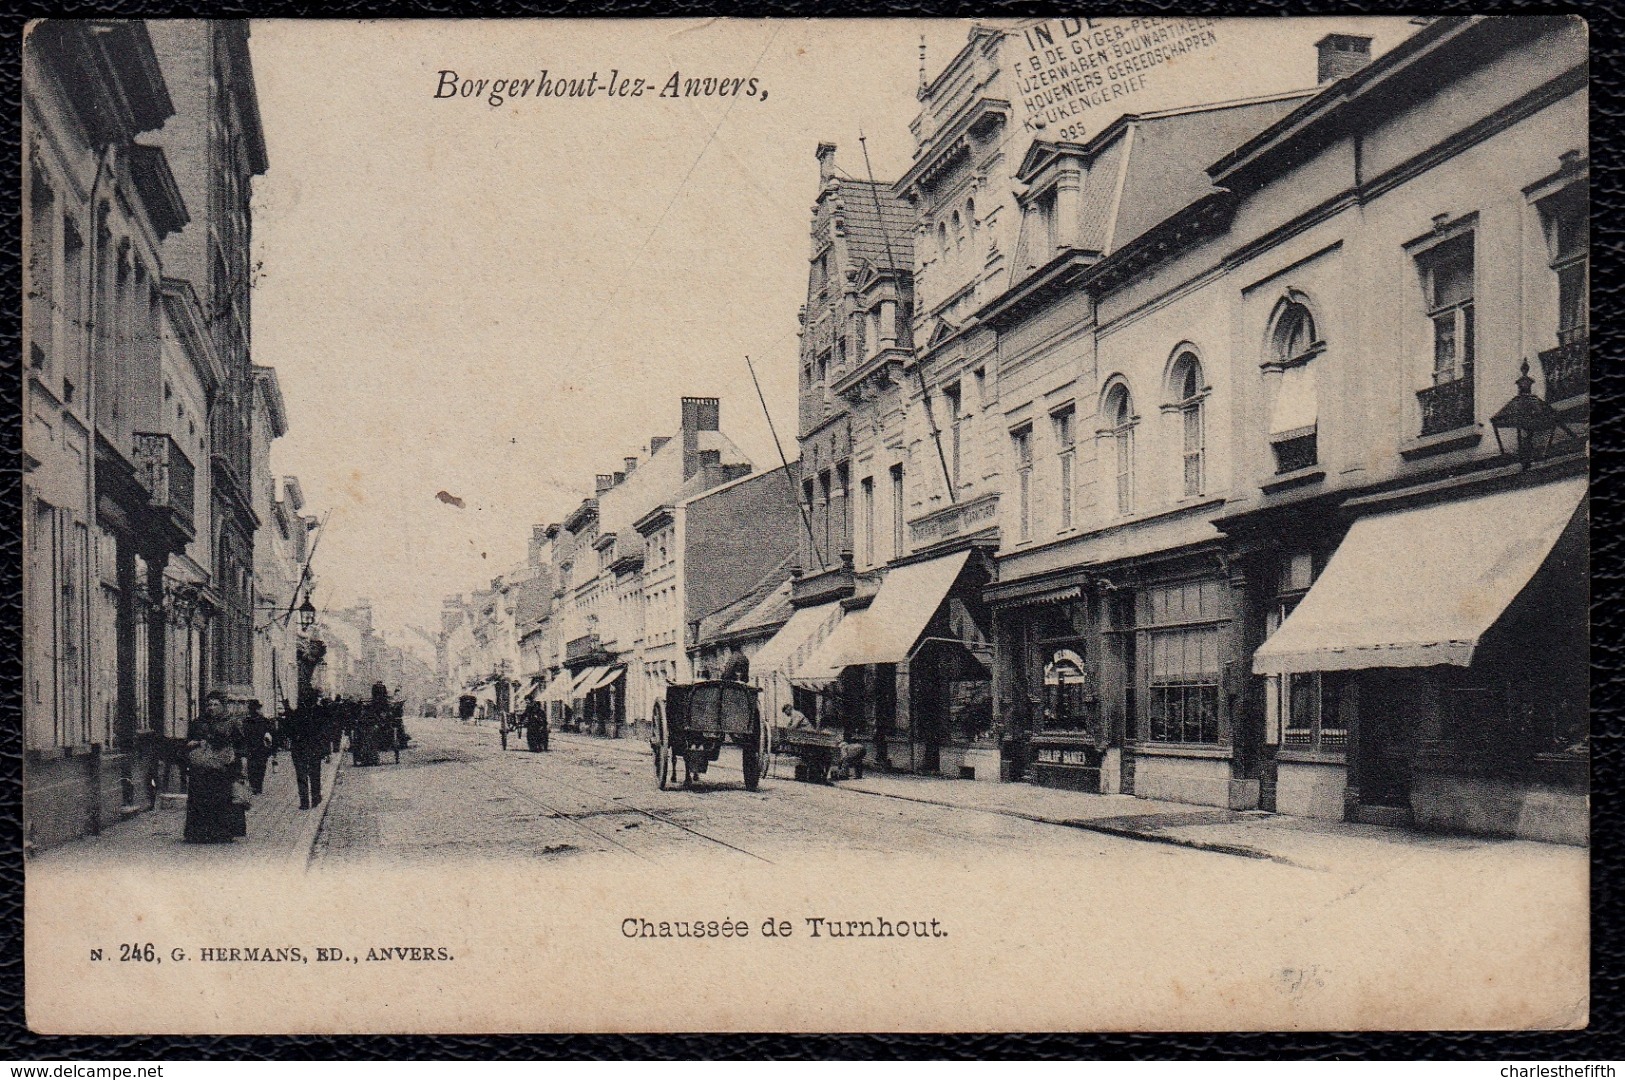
499,301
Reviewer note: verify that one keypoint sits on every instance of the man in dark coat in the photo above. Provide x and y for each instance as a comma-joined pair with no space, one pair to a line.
307,745
535,726
258,747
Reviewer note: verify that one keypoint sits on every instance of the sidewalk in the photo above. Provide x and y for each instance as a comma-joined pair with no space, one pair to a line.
1305,842
278,831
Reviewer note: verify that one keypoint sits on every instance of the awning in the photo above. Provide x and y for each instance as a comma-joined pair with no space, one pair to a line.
786,651
1420,587
585,681
486,694
558,690
608,676
886,631
907,599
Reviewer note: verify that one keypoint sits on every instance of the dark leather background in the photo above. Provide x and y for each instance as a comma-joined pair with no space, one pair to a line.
1601,1042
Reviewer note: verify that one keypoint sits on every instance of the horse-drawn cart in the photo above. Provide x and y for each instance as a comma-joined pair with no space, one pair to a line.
697,720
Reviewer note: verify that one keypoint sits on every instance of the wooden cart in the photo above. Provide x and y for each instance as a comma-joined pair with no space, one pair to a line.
817,752
697,720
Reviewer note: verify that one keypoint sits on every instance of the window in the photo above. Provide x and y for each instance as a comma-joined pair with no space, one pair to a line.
1311,710
1567,368
1022,443
41,294
842,515
970,217
959,231
953,400
1188,393
897,511
1067,440
1447,283
825,490
1066,699
1182,662
1565,218
1119,417
1295,417
942,240
1447,273
867,489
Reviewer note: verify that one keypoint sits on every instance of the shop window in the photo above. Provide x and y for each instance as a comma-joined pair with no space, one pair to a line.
1182,663
1447,283
1066,699
1295,417
1022,443
953,401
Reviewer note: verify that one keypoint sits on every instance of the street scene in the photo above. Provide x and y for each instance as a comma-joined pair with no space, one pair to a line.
1154,450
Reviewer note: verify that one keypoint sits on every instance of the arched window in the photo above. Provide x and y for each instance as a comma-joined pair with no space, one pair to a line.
959,231
1187,392
1295,415
942,240
970,217
1119,423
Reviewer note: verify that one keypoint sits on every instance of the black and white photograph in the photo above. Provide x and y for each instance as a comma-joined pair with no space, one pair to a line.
806,525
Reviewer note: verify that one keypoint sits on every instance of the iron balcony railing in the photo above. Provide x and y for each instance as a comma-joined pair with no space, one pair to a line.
1447,406
169,474
1567,368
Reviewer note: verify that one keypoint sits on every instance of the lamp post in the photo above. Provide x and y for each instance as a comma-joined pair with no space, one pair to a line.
307,614
1528,420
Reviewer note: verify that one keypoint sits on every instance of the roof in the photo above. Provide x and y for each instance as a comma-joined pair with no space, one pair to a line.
765,607
868,229
1443,50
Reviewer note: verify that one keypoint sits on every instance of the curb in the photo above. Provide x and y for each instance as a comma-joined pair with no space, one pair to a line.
1085,825
305,848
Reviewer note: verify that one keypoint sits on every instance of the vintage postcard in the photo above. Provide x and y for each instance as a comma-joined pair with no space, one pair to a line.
787,525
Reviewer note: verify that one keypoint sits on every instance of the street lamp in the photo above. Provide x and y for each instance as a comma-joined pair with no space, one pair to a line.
307,614
1528,420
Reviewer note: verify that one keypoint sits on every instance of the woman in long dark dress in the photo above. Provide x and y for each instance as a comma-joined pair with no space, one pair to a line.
212,767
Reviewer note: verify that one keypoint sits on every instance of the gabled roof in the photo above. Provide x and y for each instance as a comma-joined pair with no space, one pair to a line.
882,236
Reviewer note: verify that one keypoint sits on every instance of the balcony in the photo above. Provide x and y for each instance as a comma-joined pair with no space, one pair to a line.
1447,406
1567,369
581,648
170,480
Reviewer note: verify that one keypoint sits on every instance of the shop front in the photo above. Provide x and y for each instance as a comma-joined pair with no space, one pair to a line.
911,673
1434,671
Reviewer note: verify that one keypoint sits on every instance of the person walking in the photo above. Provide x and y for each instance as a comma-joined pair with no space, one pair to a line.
259,746
535,726
308,746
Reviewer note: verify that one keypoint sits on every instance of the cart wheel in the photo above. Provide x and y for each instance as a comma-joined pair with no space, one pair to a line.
753,768
662,765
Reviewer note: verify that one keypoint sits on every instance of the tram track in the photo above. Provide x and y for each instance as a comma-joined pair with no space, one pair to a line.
612,806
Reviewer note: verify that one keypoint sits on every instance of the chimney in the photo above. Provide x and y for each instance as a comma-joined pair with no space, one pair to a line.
656,443
699,414
1341,55
826,162
620,478
602,483
631,465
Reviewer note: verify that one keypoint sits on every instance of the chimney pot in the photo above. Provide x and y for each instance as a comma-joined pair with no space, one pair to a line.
656,443
631,465
1341,55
